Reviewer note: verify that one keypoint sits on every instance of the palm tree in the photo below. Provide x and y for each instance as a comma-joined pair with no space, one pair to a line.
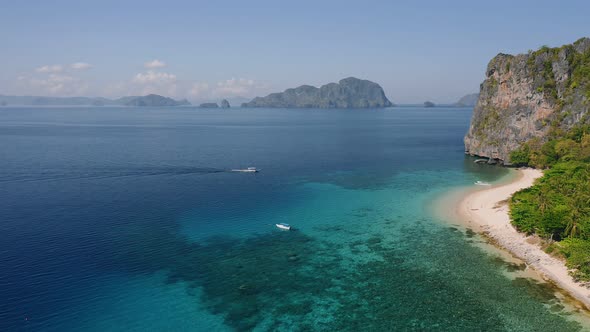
543,201
579,212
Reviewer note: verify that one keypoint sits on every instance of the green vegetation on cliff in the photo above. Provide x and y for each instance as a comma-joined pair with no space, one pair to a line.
573,145
557,207
579,75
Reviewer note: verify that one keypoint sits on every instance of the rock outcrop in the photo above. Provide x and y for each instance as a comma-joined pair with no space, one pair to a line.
209,105
348,93
527,96
225,104
429,104
467,101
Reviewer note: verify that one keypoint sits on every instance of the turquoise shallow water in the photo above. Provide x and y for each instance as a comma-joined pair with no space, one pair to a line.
127,219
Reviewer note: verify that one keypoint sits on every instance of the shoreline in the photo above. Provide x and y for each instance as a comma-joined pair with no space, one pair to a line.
487,211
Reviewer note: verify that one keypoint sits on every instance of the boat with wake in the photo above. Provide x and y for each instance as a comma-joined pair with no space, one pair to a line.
284,226
246,170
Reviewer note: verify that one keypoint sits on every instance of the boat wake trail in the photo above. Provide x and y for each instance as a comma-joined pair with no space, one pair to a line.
50,174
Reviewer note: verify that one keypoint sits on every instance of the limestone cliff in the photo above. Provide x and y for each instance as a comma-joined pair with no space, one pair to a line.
529,96
348,93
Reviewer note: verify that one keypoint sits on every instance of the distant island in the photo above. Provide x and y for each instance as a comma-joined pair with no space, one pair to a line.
348,93
429,104
139,101
223,104
209,105
467,101
152,100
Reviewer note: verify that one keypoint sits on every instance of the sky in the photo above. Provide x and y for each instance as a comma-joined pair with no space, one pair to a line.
208,50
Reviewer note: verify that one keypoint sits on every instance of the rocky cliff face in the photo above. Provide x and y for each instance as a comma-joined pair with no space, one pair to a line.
529,96
348,93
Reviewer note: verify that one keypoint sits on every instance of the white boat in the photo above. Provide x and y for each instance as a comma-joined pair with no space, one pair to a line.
284,226
246,170
481,183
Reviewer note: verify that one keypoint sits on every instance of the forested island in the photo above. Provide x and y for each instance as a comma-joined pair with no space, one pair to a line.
350,92
533,111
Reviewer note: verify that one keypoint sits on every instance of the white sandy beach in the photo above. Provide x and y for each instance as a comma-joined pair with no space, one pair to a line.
485,209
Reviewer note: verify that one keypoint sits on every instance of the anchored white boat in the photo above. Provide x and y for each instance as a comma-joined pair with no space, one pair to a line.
284,226
246,170
481,183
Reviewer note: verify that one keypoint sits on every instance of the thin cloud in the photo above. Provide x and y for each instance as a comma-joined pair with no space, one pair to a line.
154,64
50,69
235,87
228,88
147,82
151,77
199,90
57,84
80,65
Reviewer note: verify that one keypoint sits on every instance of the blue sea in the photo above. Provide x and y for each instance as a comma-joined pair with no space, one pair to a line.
129,219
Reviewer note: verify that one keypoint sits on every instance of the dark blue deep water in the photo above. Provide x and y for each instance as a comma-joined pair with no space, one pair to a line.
127,219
